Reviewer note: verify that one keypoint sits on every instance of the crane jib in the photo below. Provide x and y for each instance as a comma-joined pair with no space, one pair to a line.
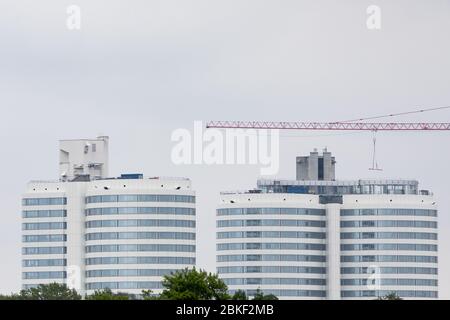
368,126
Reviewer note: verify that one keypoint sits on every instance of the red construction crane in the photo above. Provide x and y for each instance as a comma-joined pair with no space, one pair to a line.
365,126
354,124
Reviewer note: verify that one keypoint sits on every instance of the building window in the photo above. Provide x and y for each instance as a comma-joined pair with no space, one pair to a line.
44,201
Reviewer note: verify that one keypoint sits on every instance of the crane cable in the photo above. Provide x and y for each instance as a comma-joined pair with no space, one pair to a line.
373,118
396,114
364,119
374,157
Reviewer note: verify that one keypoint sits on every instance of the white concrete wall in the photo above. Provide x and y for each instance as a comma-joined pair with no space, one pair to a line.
272,201
83,152
76,193
333,251
333,241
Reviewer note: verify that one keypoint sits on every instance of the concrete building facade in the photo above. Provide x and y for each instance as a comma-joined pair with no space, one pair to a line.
327,239
94,232
316,167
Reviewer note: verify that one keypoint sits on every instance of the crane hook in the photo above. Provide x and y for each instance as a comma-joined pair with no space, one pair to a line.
374,158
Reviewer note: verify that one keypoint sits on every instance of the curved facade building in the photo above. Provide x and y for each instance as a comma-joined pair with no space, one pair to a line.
123,234
44,237
136,232
389,244
328,239
274,242
93,232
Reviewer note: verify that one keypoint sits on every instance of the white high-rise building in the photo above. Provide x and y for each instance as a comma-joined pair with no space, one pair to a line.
94,232
327,239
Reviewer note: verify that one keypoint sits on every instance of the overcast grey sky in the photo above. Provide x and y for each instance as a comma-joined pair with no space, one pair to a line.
137,70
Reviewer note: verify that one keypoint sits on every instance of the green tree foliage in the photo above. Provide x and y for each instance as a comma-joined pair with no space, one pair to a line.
187,284
390,296
52,291
190,284
239,295
107,294
259,295
12,296
149,295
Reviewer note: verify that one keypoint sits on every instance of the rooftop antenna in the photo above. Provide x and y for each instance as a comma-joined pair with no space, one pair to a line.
374,158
